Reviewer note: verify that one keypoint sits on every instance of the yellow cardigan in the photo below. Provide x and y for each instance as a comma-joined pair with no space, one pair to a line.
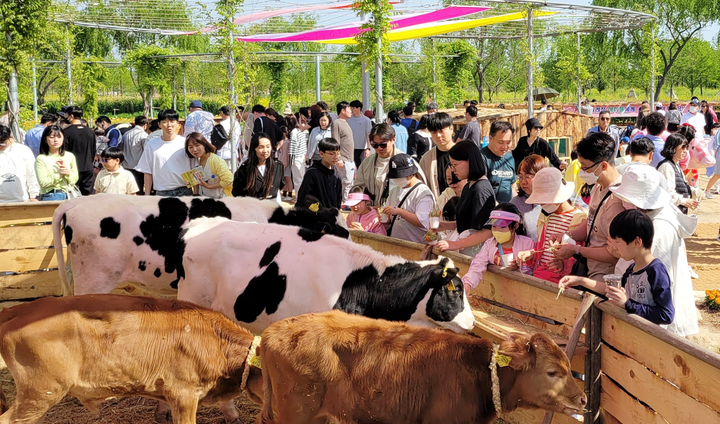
220,168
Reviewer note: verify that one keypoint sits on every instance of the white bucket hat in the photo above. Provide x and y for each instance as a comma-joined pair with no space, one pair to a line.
550,188
641,186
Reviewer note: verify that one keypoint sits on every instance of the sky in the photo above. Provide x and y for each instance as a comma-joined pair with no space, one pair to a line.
709,34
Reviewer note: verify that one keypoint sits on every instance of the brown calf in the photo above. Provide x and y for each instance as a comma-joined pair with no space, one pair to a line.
351,369
97,347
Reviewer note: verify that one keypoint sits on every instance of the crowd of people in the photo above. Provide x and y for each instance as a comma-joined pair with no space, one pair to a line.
619,208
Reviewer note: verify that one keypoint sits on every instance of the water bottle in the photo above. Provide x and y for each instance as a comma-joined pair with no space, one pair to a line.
485,141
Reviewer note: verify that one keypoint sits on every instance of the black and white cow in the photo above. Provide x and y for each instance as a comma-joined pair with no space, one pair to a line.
112,238
258,274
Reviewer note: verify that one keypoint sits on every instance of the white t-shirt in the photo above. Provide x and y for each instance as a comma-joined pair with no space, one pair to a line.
226,151
697,121
18,182
166,161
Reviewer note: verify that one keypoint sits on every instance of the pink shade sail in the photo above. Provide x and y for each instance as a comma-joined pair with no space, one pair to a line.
350,30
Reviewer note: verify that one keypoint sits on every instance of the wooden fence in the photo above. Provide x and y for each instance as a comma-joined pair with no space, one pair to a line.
634,371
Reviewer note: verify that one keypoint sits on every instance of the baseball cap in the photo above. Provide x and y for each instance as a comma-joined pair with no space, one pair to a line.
196,103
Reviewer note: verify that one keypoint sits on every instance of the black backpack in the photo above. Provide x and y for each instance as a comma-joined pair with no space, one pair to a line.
219,136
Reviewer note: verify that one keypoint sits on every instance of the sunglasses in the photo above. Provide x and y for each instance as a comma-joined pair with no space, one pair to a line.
605,119
379,145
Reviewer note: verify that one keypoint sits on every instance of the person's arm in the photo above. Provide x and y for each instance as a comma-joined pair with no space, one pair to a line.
477,268
219,168
421,218
148,181
31,180
473,239
600,254
573,281
114,137
74,174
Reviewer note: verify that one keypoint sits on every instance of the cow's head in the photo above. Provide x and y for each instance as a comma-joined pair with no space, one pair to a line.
543,376
315,218
447,305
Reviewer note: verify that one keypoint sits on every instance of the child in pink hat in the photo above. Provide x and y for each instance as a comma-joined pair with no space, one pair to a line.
362,217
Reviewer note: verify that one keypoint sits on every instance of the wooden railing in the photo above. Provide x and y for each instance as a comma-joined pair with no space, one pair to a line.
635,372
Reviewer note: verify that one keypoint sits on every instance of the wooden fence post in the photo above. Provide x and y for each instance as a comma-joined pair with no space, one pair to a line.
593,340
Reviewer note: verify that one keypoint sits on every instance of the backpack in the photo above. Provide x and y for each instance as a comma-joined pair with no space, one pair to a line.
219,136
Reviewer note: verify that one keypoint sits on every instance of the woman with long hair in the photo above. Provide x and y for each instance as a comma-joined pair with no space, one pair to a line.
261,175
219,180
55,168
476,202
321,131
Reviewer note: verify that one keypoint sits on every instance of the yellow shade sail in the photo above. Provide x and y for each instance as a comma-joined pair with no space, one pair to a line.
427,30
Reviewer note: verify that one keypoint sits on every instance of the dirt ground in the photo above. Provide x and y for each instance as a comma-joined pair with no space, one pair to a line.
703,255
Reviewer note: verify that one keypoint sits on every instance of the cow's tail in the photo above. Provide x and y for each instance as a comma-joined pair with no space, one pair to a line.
58,224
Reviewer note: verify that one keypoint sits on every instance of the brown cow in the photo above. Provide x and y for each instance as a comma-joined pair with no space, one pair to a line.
97,347
351,369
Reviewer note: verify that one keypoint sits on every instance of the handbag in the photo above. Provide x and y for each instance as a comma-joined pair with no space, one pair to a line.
580,267
392,223
72,191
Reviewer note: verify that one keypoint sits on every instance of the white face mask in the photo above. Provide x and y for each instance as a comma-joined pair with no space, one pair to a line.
693,109
550,208
400,182
588,177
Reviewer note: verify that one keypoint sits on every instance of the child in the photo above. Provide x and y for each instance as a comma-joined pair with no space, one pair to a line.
114,178
502,248
363,217
102,143
645,284
557,217
219,178
320,183
409,202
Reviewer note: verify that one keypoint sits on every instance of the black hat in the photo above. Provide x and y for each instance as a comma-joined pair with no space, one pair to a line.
402,165
533,123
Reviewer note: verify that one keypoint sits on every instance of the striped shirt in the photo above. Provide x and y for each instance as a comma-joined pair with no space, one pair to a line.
557,223
298,142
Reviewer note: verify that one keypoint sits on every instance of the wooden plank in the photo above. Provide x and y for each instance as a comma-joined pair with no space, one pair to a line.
30,285
667,400
535,416
129,289
16,213
480,304
527,298
623,407
26,236
593,365
609,419
690,367
23,260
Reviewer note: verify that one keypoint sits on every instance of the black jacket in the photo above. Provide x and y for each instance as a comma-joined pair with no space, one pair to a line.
240,181
322,185
540,147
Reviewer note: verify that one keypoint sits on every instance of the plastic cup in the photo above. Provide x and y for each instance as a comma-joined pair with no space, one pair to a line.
507,259
384,218
613,280
434,222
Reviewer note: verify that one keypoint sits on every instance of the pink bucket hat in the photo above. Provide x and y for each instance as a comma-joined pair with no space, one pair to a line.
355,198
502,218
550,188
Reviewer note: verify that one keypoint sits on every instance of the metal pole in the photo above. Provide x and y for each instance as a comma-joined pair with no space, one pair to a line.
69,70
152,91
432,44
317,78
233,100
652,67
379,112
530,62
184,90
579,93
34,84
13,102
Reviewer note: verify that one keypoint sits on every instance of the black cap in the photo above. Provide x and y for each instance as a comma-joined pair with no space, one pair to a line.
402,165
533,123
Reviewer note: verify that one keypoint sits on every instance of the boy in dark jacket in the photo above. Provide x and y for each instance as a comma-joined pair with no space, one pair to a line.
320,183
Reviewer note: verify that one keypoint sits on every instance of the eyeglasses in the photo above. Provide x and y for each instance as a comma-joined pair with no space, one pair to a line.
454,166
592,166
379,145
607,118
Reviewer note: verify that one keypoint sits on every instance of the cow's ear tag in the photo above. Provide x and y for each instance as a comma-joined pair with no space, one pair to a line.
315,207
444,274
502,360
256,361
450,286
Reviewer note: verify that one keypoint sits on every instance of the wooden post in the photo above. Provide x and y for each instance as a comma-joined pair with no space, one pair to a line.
593,339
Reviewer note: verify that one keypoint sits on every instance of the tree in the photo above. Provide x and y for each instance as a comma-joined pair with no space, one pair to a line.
679,21
456,68
151,72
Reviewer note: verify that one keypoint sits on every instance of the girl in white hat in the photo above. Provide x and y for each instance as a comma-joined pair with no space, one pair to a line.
557,217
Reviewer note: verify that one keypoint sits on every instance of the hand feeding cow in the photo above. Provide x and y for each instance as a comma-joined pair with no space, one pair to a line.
97,347
335,367
114,238
258,274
